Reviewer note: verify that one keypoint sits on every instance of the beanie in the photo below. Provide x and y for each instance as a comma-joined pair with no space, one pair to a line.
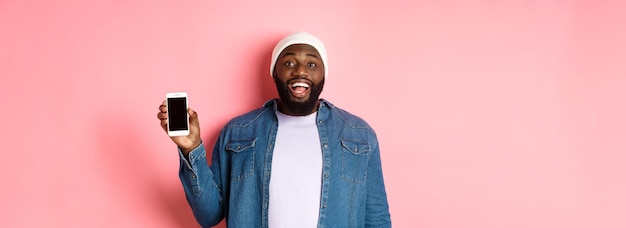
299,38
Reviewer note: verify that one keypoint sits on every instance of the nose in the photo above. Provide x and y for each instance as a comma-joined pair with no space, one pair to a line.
300,70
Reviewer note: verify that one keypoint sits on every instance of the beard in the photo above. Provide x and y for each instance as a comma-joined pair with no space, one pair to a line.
298,107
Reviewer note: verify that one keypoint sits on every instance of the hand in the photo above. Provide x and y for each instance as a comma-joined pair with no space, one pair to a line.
186,143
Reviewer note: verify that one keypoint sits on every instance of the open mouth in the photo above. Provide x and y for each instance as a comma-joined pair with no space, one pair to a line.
299,89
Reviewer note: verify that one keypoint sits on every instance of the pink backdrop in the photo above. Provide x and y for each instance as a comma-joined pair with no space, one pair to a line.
489,113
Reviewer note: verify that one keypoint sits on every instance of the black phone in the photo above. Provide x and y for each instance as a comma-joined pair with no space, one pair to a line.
178,119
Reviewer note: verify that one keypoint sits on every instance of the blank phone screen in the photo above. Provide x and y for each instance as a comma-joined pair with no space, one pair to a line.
177,111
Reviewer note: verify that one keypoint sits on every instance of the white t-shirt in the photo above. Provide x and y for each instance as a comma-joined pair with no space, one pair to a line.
296,177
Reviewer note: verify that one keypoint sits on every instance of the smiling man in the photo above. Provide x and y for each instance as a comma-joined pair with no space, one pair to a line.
299,161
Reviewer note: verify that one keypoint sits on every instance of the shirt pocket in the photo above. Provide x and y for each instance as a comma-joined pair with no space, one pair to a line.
354,158
242,158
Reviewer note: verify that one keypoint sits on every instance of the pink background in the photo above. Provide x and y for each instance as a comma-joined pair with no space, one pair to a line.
489,113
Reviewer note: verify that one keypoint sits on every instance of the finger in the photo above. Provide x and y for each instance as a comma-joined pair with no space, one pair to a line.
162,115
164,125
163,107
193,116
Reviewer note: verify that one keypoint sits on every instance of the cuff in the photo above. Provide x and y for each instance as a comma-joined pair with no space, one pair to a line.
194,155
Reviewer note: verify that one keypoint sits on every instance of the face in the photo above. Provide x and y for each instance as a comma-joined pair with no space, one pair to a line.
299,78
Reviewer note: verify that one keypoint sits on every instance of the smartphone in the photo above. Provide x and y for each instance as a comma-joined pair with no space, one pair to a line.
177,117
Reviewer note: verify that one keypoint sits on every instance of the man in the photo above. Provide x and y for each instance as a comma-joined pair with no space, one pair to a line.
298,161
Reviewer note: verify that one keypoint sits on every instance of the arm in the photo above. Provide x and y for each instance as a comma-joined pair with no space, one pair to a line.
201,183
377,208
201,186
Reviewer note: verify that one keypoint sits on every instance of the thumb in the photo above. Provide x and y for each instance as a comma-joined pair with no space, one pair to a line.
194,126
193,117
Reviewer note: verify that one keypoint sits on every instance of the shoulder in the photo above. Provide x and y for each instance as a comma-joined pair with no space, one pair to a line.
346,117
250,117
348,127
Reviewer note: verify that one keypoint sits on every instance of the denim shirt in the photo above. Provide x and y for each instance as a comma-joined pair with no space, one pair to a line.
236,184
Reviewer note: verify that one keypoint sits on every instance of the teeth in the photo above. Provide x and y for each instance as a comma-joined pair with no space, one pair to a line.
301,84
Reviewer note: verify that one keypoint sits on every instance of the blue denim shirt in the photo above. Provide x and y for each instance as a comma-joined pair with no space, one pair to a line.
236,184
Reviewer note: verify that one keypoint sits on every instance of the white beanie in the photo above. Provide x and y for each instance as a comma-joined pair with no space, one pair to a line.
299,38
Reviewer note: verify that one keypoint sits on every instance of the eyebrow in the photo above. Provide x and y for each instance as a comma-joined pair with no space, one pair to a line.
307,54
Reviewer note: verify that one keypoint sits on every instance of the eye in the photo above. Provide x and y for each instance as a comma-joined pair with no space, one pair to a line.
289,64
311,65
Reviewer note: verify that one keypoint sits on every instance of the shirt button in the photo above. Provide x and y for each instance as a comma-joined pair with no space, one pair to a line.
325,145
320,121
193,176
325,175
191,157
324,206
